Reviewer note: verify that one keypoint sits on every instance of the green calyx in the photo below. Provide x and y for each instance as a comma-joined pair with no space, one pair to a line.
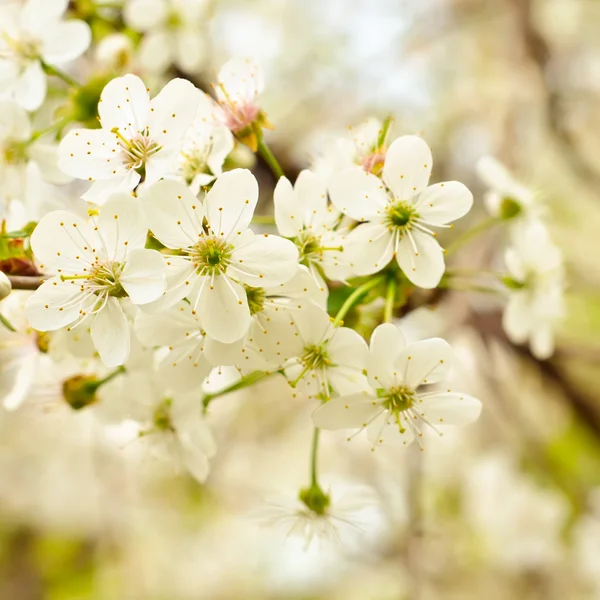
510,208
80,391
315,499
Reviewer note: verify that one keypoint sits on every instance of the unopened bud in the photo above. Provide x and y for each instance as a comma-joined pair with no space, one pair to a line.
80,391
510,208
5,286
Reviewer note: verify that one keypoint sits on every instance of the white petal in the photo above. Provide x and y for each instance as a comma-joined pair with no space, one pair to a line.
387,342
314,325
143,15
231,202
46,158
444,202
311,196
144,276
347,348
155,51
347,412
100,191
174,214
14,122
369,248
63,42
172,112
424,362
122,226
171,327
124,104
385,430
242,80
265,261
37,14
190,50
220,354
422,261
222,144
358,194
185,368
407,167
288,215
223,308
542,342
52,305
517,318
449,408
110,334
30,90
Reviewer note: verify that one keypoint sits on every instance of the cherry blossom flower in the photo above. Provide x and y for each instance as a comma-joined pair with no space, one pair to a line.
31,34
332,359
172,33
97,264
395,408
214,262
5,286
137,134
535,287
399,213
303,213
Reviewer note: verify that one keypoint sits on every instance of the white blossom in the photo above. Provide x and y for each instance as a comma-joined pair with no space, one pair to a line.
96,264
395,408
137,133
399,213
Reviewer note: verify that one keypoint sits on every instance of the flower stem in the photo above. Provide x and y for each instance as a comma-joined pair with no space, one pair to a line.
263,219
390,298
385,129
50,70
56,126
471,234
354,297
244,382
314,451
267,155
7,323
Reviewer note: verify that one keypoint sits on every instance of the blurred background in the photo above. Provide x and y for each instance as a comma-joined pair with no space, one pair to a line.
506,508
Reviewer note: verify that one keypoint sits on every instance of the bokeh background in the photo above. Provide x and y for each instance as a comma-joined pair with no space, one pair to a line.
506,508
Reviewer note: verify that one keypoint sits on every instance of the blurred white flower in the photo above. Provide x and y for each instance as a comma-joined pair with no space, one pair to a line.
399,221
116,51
31,34
5,286
216,261
535,287
137,133
394,408
96,265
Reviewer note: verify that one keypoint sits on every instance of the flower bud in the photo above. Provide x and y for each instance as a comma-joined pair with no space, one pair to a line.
5,286
80,391
510,208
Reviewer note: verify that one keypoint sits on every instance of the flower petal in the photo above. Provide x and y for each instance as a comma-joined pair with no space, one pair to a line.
65,41
100,191
449,408
347,412
421,258
173,213
231,202
30,90
358,194
288,216
265,261
144,15
144,275
110,334
53,305
311,196
387,342
122,226
242,79
444,202
407,167
369,248
424,362
171,327
347,348
125,105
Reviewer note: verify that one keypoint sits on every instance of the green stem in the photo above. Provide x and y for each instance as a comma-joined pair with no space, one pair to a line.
471,234
314,451
354,297
50,70
267,155
263,219
385,129
390,298
7,323
57,126
244,382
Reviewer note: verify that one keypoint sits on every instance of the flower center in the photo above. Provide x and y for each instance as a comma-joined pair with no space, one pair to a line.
310,248
161,418
194,162
373,163
315,357
401,215
397,399
137,150
102,280
240,116
211,256
27,48
256,299
14,152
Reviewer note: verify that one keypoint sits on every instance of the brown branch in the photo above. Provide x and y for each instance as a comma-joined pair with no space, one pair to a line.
26,282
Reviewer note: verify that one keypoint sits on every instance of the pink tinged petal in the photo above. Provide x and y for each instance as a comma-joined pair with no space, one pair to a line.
444,202
168,328
100,191
265,261
172,112
223,308
65,41
54,305
407,167
242,80
63,242
110,334
424,362
143,277
231,202
449,408
369,248
358,194
421,258
30,89
347,348
90,154
288,215
122,226
311,196
387,342
347,412
173,213
124,104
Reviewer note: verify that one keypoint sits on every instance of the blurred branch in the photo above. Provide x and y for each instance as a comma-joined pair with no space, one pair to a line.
540,54
25,282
